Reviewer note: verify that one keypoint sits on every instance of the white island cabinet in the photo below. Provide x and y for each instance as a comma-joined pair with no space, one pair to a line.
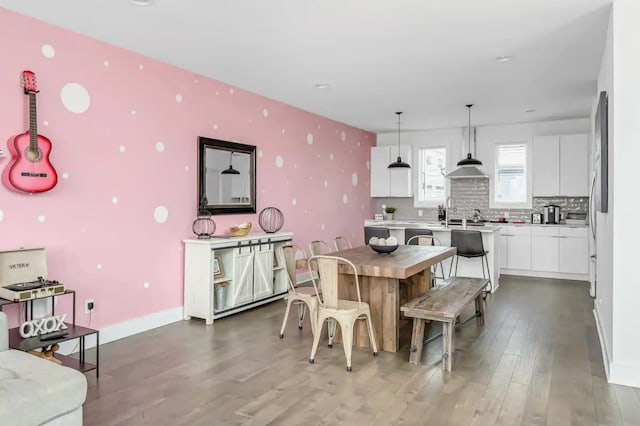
249,271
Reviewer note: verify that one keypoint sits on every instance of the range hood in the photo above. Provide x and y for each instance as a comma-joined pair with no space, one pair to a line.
467,172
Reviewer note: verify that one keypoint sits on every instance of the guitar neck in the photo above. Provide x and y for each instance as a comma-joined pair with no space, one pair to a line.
33,122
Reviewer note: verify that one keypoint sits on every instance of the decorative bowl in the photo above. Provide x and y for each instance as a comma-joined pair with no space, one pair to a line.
241,229
383,249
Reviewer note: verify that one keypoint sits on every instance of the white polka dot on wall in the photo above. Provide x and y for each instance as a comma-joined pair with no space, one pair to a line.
309,138
133,112
279,161
305,211
330,156
318,155
231,90
260,153
106,63
295,165
318,126
250,121
159,146
322,226
354,179
345,198
161,214
1,215
362,207
65,175
343,136
99,266
196,81
294,201
41,218
217,93
178,98
265,113
46,123
122,148
358,144
186,168
75,98
114,200
283,131
326,184
215,126
140,67
48,51
146,283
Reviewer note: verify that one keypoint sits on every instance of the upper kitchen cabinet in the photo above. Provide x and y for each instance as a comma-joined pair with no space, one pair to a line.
561,165
390,182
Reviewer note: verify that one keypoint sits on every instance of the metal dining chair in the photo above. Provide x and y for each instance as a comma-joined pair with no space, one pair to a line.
341,243
469,245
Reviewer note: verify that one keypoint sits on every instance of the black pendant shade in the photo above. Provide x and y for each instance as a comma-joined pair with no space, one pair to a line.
469,161
399,164
230,170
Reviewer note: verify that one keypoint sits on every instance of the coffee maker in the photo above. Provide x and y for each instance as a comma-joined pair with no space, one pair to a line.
551,214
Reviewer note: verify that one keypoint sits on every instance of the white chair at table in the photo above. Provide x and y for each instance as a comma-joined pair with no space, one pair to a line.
304,297
341,243
344,312
428,240
319,247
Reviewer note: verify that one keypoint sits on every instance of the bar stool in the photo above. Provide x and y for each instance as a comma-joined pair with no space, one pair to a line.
374,231
469,245
426,239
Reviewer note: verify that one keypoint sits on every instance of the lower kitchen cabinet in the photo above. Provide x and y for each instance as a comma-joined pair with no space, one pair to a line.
516,244
228,275
574,251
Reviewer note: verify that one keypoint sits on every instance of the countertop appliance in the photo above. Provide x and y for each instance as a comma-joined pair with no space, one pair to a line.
551,214
536,217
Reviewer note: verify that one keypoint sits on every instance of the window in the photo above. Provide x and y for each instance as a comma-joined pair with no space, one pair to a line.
432,168
511,174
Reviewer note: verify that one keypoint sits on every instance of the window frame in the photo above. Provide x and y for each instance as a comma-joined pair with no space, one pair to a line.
528,203
417,203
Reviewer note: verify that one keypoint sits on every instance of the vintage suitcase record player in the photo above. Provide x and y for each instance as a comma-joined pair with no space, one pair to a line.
23,275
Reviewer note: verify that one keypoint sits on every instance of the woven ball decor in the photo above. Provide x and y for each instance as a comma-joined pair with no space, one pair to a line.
271,220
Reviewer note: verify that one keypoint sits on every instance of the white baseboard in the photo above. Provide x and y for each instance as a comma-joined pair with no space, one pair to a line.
126,329
538,274
604,346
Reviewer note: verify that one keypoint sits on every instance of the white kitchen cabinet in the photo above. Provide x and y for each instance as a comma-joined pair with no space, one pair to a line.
574,250
560,165
516,247
248,268
546,166
387,182
574,165
545,248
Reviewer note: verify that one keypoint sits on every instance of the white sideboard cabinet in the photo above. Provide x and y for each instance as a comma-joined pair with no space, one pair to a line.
249,271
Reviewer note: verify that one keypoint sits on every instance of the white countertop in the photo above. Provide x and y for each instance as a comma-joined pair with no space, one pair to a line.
488,227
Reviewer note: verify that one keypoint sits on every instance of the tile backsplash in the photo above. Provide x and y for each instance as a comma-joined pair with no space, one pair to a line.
470,194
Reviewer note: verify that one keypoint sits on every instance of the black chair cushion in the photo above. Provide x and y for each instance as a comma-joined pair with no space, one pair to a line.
412,232
374,231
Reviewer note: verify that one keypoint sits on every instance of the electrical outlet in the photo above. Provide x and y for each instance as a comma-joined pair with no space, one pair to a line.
420,213
88,306
506,215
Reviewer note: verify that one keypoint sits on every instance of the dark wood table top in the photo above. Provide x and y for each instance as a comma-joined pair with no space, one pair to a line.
403,263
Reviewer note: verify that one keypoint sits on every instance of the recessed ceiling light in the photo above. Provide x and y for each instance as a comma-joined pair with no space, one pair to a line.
141,2
322,86
529,110
503,58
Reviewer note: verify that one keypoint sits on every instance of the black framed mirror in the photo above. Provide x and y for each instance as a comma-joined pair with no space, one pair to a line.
226,176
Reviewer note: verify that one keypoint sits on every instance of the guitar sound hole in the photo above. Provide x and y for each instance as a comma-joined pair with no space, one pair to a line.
33,155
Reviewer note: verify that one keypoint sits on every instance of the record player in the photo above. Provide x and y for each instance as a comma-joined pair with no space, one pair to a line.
23,275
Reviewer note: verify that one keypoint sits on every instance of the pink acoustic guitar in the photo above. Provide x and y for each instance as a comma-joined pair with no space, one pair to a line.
30,169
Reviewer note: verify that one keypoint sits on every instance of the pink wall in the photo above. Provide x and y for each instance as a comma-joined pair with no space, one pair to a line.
133,149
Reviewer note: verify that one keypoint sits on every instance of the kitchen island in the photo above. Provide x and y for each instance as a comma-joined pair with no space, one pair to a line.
466,267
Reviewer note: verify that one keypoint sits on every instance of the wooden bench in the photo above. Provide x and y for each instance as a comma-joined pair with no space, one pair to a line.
444,303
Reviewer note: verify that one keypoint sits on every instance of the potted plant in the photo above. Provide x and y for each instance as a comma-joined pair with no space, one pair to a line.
389,213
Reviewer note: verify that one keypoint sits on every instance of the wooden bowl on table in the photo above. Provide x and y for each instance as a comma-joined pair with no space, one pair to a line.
241,229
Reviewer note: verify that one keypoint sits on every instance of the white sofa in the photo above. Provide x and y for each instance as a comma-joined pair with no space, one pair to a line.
34,391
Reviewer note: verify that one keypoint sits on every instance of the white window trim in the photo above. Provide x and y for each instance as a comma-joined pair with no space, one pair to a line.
523,205
416,178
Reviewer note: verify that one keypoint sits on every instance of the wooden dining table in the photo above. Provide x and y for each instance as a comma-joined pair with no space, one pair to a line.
381,277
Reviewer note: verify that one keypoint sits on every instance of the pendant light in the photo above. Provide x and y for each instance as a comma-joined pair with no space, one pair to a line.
467,166
399,164
469,161
230,170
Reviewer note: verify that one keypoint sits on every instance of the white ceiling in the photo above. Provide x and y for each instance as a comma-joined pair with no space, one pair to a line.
427,58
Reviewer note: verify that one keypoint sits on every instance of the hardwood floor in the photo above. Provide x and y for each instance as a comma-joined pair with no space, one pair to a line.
537,361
